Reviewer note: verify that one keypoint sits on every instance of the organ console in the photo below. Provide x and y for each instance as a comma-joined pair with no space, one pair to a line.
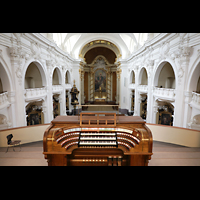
97,139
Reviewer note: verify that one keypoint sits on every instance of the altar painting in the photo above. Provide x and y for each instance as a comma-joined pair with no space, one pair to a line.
100,80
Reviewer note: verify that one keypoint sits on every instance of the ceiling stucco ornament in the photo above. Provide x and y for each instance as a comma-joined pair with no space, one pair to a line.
73,43
100,43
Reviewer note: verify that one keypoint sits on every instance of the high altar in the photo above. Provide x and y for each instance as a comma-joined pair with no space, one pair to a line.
99,77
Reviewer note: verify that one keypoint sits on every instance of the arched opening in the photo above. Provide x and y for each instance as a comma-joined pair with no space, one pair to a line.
194,79
6,118
143,106
56,79
67,77
143,77
132,101
1,86
34,113
56,105
165,76
132,78
102,47
67,102
99,80
33,77
5,85
93,53
165,114
198,85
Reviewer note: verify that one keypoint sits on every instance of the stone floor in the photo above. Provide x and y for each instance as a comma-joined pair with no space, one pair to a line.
164,154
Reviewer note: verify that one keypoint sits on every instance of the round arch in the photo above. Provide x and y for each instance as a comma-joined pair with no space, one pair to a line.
41,69
56,76
158,69
193,76
67,77
143,76
132,77
92,43
5,77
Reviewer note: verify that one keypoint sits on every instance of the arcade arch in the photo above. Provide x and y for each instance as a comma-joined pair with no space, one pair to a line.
165,113
67,77
143,77
56,78
132,77
34,114
165,76
194,84
34,76
5,83
198,85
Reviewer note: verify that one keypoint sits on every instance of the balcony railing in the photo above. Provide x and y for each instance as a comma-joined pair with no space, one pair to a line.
195,98
165,92
68,86
132,86
143,88
57,88
4,99
35,93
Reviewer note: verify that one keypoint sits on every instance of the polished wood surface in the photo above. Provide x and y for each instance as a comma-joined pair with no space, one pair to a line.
70,141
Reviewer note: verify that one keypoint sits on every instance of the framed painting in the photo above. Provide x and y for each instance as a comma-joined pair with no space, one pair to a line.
166,118
34,119
100,80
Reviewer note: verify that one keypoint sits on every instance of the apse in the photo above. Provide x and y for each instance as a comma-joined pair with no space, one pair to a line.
99,70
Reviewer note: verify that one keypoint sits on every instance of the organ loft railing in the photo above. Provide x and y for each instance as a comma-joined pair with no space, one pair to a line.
97,119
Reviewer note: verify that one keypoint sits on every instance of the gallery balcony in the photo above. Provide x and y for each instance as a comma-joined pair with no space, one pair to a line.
68,86
143,88
195,99
132,86
35,93
57,89
4,100
164,93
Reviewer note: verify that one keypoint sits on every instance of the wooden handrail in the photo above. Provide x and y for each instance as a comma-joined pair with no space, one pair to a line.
97,119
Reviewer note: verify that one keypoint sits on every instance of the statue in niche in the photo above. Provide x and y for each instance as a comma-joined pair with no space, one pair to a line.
100,63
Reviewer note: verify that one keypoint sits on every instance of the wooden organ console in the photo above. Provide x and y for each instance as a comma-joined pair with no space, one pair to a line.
97,139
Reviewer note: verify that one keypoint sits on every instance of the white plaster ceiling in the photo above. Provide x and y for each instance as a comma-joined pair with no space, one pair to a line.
72,43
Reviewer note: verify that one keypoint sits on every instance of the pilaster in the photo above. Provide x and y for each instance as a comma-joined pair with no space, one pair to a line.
49,65
182,57
17,62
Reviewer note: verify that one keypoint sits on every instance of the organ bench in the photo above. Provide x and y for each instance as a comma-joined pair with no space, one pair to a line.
97,139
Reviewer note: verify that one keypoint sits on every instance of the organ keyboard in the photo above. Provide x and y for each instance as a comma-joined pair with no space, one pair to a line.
75,142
